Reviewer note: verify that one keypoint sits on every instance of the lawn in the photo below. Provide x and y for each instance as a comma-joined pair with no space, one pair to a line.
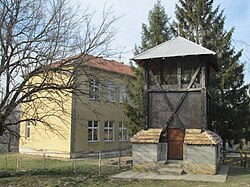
60,173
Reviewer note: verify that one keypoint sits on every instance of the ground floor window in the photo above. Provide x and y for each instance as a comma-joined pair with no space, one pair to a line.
93,131
109,131
122,131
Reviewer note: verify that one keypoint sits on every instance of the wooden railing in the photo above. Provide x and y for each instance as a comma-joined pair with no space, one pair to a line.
244,155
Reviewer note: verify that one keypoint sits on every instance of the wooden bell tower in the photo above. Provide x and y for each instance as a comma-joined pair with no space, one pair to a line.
176,94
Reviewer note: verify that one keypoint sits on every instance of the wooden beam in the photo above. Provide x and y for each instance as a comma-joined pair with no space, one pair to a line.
183,97
179,74
167,100
204,122
146,98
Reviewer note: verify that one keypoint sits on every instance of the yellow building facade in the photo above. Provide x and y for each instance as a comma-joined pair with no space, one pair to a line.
92,120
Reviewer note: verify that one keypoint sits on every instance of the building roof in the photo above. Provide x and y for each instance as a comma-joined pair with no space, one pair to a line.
96,62
109,65
196,137
177,47
150,136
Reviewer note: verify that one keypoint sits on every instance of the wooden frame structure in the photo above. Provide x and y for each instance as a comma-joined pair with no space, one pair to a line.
176,94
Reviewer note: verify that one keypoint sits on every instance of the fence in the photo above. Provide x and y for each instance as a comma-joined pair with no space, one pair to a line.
16,162
240,158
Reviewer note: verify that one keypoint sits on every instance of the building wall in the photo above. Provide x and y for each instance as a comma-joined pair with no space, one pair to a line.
100,110
163,151
201,159
52,136
145,153
69,127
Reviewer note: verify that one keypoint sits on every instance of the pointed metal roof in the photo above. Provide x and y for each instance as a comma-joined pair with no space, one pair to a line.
177,47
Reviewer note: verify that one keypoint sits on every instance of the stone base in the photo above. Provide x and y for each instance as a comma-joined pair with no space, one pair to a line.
197,168
148,167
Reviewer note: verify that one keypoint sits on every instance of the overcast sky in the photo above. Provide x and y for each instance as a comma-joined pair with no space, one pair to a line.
135,12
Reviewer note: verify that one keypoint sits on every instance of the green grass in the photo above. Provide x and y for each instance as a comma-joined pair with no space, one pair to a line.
60,173
32,162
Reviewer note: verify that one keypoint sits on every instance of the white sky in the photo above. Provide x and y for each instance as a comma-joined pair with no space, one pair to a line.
135,12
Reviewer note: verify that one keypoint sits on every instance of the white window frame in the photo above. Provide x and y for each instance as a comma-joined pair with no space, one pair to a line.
27,129
94,89
110,127
122,128
93,128
123,94
111,91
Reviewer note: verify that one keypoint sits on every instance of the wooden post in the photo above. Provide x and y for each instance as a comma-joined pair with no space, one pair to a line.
241,163
6,161
179,74
246,162
43,161
146,96
100,163
119,159
74,163
204,95
17,162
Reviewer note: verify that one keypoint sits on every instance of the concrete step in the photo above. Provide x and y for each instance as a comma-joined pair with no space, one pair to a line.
174,161
179,166
174,164
171,171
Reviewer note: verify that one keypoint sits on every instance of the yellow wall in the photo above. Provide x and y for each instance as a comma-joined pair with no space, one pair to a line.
101,110
54,133
78,110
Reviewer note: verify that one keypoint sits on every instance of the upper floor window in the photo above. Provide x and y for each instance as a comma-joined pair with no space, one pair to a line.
111,91
93,131
187,71
123,94
174,73
27,129
109,131
122,131
163,73
94,89
169,74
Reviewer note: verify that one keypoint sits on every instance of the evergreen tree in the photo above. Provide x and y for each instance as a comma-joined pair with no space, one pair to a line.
157,32
199,22
133,106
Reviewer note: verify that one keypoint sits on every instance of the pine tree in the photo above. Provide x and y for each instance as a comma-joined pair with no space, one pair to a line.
199,22
157,32
133,106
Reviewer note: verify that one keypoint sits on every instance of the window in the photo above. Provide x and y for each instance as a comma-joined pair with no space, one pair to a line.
94,92
27,129
109,131
93,128
122,131
123,94
187,71
111,91
169,76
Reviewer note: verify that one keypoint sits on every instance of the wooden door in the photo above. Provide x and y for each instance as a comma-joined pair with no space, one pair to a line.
175,143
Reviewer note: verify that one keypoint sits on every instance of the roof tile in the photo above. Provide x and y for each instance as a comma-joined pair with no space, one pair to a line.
150,136
109,65
196,137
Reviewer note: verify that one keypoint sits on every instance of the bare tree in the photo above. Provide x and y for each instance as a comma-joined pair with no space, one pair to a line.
38,39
